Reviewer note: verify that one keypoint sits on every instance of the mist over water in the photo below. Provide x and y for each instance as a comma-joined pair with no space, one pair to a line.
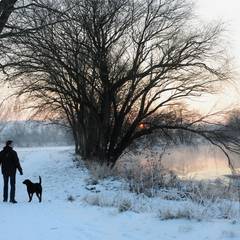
198,162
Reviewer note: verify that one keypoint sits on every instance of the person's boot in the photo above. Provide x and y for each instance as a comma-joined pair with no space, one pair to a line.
4,200
13,201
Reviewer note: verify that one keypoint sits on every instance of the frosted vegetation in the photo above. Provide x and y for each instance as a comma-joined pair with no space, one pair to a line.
148,186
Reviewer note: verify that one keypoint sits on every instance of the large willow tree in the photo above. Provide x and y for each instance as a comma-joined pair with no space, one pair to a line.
114,68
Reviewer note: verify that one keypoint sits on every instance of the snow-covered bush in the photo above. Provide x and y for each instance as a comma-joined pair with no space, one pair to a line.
145,173
99,171
190,210
203,192
92,200
182,213
122,203
125,205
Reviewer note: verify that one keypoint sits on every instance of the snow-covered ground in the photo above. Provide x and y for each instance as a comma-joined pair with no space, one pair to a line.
57,218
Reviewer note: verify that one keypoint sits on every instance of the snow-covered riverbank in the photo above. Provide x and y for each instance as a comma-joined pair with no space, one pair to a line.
57,218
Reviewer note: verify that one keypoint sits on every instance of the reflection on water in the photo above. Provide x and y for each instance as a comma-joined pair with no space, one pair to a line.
200,162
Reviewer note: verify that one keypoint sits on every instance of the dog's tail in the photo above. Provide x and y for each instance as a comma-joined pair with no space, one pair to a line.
40,180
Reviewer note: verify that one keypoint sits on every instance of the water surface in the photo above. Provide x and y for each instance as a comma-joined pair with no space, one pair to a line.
199,162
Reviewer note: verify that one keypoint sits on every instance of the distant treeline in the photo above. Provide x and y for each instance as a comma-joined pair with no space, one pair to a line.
35,133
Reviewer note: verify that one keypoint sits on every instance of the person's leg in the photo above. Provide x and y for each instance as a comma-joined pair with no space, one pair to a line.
12,191
5,187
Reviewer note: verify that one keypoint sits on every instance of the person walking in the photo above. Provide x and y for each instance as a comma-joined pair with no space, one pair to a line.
10,163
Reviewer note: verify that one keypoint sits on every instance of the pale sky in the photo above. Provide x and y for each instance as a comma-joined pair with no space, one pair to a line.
227,11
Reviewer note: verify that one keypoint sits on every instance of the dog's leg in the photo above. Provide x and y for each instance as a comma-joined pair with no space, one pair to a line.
30,197
39,197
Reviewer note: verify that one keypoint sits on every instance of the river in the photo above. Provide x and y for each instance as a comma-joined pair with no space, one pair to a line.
199,162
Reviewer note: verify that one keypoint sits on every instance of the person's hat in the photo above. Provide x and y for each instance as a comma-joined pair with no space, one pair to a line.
9,142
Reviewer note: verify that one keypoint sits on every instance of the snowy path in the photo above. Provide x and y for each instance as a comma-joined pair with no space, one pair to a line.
58,219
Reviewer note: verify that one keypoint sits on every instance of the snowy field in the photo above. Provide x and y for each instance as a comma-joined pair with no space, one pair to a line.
57,218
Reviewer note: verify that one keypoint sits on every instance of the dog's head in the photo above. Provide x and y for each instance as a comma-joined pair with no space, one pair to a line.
27,181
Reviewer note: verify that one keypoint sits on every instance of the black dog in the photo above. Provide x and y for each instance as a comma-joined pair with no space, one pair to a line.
34,188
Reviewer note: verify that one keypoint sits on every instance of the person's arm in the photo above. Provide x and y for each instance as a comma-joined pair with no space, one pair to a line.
18,165
1,157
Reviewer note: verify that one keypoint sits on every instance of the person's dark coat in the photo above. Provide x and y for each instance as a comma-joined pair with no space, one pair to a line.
9,161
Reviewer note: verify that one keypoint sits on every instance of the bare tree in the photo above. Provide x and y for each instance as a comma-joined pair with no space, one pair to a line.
11,24
6,9
233,120
111,66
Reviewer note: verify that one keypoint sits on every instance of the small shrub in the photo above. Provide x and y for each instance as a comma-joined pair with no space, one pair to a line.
227,210
145,174
206,192
125,205
70,198
91,181
170,214
93,200
99,171
122,205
